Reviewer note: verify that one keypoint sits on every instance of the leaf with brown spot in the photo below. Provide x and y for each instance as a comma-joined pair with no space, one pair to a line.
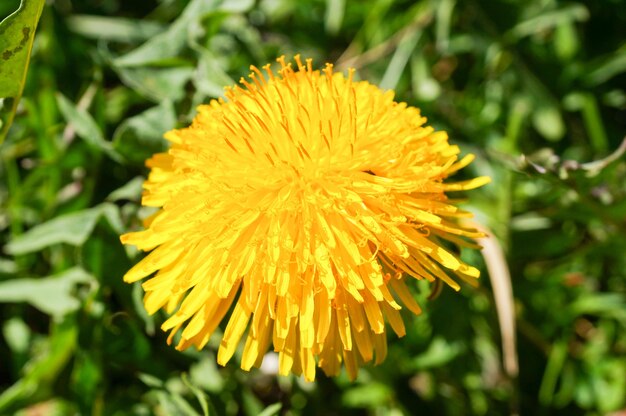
17,32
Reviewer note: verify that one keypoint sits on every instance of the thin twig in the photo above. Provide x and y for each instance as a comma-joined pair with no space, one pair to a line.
597,165
500,277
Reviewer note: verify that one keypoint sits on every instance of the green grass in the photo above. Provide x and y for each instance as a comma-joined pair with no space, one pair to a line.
536,89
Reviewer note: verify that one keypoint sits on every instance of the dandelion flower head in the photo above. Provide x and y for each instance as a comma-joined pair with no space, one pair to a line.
299,209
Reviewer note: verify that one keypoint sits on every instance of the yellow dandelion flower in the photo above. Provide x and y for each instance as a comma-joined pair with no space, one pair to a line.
308,201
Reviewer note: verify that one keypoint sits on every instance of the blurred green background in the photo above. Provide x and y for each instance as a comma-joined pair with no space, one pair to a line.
536,89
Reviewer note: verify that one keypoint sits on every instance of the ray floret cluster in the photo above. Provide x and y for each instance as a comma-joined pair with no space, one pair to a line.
298,209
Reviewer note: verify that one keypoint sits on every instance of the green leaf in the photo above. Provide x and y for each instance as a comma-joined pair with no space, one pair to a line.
424,86
271,410
43,370
139,137
399,60
333,17
87,377
613,65
205,374
368,395
51,295
556,361
600,304
548,20
111,213
174,404
445,9
137,297
588,105
549,123
150,380
439,353
131,191
609,385
250,403
236,6
210,78
17,33
8,266
566,43
113,28
86,127
73,229
200,395
17,334
169,43
157,84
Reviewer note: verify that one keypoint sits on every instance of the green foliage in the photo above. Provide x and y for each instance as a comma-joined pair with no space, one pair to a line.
534,88
17,32
51,295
